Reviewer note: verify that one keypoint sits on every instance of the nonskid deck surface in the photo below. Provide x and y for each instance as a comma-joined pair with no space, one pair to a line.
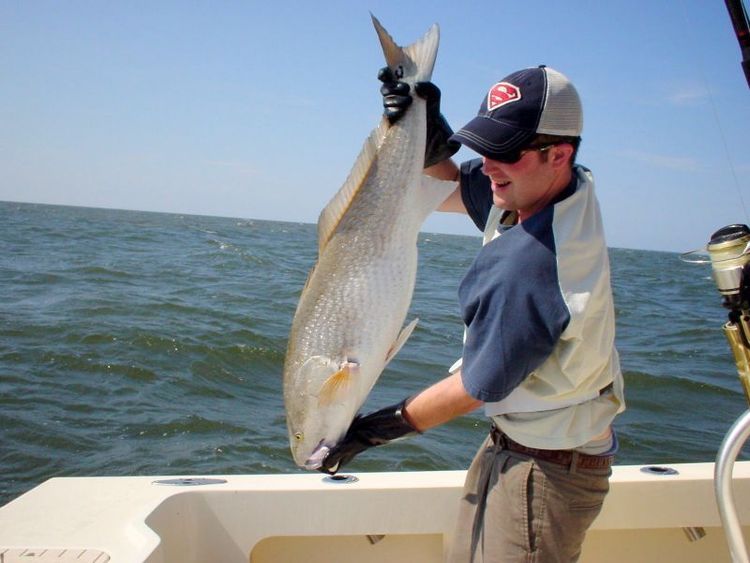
42,555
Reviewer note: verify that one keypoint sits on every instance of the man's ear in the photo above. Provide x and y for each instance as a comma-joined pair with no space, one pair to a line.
561,154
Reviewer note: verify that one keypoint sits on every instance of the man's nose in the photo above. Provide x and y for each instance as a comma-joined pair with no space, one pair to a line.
488,166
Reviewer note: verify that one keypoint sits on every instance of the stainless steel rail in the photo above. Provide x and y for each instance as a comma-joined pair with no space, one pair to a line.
728,452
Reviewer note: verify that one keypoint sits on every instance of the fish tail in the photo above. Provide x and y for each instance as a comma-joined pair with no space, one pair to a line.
423,53
418,59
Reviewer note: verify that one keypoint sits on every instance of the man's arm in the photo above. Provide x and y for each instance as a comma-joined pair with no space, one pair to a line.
447,170
445,400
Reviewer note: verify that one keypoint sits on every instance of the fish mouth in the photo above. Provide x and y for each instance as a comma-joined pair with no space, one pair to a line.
315,461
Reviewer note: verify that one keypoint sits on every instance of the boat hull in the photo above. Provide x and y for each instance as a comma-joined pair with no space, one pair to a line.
406,516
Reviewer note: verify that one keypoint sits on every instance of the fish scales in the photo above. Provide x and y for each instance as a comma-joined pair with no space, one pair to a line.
348,323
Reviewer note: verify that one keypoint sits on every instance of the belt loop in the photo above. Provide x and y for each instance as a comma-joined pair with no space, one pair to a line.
573,462
495,437
499,439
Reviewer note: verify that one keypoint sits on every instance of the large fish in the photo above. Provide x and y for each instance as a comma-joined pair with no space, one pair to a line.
349,319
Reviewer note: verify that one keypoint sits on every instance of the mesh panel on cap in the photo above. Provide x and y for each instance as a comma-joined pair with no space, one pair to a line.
562,114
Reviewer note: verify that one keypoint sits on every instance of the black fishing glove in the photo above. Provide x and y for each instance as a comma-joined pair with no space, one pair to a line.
365,432
438,146
396,100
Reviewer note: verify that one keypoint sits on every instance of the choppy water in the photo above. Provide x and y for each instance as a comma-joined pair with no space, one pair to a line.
144,343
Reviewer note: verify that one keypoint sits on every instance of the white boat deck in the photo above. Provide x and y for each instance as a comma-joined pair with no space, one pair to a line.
379,517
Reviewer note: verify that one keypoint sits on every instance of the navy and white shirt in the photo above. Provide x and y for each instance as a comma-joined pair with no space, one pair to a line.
537,305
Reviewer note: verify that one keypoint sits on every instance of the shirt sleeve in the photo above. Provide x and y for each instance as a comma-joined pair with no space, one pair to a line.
476,193
513,310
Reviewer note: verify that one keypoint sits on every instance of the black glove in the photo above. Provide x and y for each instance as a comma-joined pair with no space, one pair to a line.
438,147
365,432
396,100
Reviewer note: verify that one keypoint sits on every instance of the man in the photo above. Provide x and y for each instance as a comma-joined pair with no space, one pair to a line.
539,349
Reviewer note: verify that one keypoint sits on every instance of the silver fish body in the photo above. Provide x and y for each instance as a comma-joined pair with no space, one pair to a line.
349,319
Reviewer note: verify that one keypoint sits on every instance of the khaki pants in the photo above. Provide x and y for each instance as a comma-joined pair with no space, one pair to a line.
519,509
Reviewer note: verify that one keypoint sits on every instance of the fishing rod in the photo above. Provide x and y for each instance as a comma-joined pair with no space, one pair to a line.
729,251
738,15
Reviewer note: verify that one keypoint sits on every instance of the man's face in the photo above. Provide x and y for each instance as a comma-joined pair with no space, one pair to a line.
529,184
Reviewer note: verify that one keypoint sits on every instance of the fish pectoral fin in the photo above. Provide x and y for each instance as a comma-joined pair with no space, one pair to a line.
338,383
403,336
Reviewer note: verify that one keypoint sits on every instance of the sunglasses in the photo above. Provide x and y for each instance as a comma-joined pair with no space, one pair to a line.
515,156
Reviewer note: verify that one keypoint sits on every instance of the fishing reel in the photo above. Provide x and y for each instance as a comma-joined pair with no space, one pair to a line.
729,251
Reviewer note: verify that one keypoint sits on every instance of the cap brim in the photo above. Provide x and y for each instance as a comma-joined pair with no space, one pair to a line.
492,138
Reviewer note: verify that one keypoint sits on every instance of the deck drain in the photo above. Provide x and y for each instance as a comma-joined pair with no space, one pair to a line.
659,470
189,481
340,479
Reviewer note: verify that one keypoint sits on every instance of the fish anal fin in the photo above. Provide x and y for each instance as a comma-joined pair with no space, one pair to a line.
338,383
403,336
430,194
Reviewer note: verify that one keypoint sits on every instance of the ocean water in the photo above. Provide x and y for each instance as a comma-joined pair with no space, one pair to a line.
152,344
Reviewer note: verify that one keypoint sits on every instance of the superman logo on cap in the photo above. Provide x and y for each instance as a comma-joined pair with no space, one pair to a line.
502,93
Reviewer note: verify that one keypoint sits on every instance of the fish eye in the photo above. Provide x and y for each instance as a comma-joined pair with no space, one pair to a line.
399,72
298,436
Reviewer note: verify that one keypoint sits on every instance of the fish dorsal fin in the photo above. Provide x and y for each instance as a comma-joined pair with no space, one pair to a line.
331,216
309,277
403,336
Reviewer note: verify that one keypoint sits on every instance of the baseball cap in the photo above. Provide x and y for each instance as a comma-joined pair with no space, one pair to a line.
524,104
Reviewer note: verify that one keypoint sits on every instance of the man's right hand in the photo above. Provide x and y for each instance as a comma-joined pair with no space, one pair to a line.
396,97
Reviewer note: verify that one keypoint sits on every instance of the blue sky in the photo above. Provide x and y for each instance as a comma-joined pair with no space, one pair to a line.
258,109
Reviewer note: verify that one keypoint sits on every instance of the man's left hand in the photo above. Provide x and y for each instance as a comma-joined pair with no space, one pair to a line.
365,432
